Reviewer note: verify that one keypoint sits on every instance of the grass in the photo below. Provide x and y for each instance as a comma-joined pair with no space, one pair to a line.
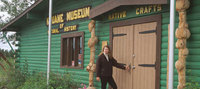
21,78
6,66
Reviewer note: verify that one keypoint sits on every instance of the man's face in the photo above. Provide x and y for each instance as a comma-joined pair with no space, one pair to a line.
106,50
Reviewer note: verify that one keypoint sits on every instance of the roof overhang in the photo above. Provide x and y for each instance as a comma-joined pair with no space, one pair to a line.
111,4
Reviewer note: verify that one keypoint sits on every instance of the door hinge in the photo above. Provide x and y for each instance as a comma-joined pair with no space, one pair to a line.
118,35
147,65
147,32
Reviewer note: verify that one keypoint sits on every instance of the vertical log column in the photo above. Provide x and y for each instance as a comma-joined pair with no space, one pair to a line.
91,44
182,34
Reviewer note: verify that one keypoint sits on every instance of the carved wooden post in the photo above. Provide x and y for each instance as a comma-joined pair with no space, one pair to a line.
91,44
182,34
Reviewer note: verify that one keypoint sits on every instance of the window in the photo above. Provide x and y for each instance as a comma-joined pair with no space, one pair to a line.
72,46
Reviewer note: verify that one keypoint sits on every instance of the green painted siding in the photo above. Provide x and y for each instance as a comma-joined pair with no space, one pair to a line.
164,51
33,44
193,62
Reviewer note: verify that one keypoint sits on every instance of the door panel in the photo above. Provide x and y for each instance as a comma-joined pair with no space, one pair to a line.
138,40
145,54
122,51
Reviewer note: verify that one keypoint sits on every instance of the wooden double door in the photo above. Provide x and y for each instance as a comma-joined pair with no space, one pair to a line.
136,45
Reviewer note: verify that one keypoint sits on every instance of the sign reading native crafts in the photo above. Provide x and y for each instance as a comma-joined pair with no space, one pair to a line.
148,9
117,15
80,13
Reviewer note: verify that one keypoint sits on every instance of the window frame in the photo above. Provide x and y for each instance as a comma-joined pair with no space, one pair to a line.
71,35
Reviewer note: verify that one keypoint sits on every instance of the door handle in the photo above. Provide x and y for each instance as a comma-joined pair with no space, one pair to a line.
133,67
133,55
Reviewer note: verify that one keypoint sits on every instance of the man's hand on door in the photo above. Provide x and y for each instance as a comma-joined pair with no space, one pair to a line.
98,79
127,67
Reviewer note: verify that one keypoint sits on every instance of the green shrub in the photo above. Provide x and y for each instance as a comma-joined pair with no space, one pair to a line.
191,83
11,77
65,81
6,67
23,79
14,79
35,81
56,81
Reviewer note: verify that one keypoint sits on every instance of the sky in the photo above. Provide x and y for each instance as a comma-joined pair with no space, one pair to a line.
4,46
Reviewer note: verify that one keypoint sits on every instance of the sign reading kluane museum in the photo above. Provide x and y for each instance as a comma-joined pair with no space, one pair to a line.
62,18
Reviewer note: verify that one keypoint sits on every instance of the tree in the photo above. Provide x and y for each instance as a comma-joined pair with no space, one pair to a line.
13,8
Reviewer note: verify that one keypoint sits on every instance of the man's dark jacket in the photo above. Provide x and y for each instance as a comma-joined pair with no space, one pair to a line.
105,67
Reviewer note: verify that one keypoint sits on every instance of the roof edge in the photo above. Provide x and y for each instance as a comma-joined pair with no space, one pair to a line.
111,4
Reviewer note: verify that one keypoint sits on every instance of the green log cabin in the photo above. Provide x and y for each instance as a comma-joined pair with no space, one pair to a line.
136,31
